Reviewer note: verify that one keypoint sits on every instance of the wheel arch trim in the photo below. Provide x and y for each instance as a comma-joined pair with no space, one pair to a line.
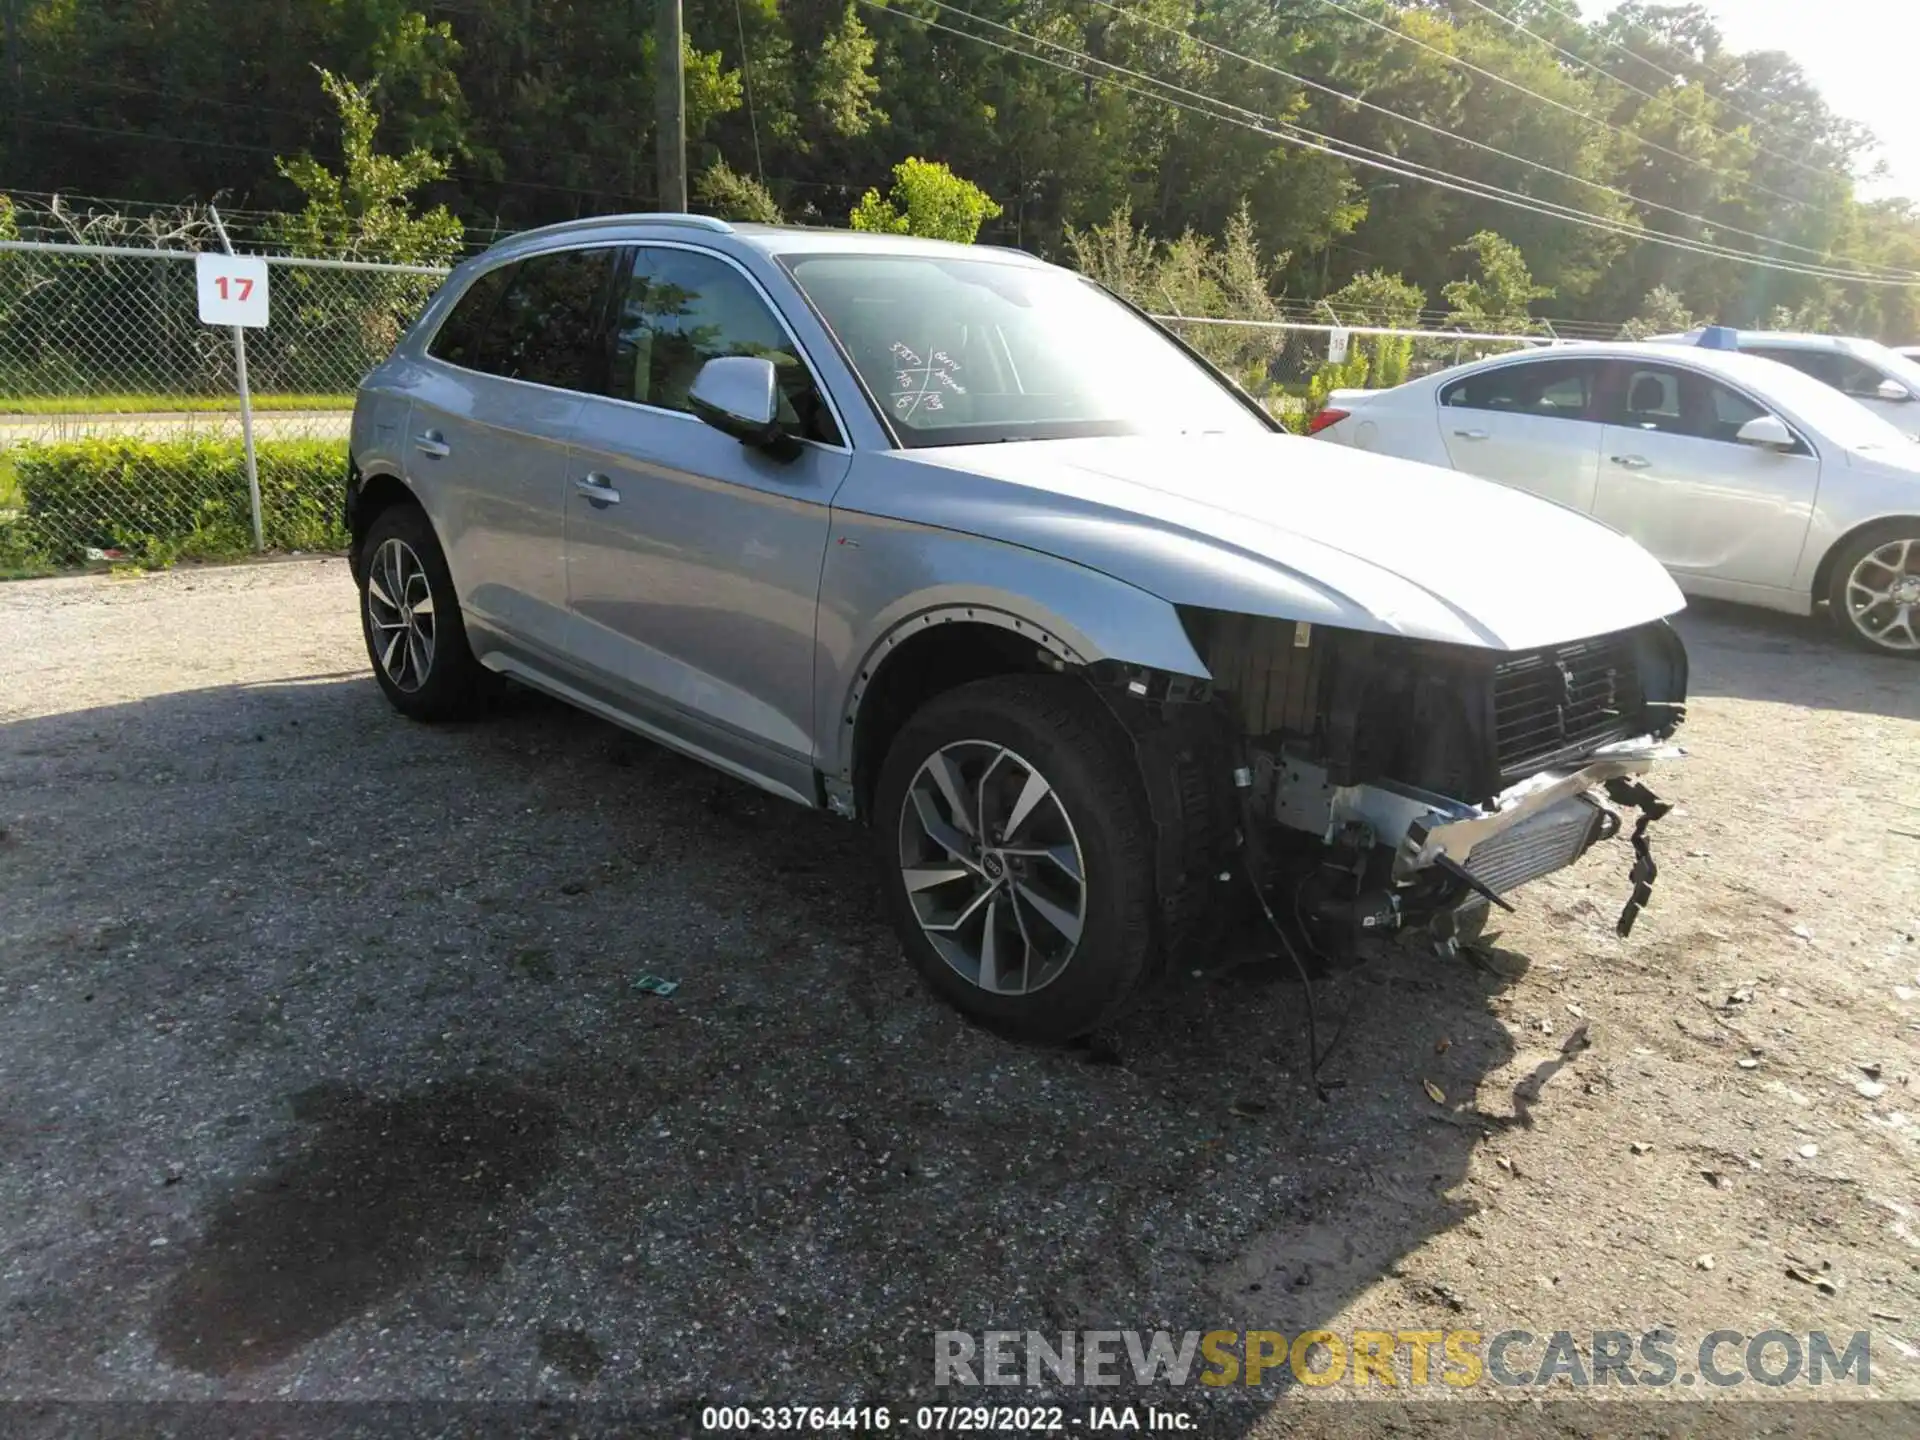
377,472
888,644
1145,630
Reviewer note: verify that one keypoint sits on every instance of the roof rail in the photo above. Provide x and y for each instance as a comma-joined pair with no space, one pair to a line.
665,217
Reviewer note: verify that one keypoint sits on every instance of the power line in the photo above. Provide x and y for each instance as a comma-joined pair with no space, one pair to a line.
1636,233
1372,159
746,80
1442,131
177,97
1614,44
1573,110
1660,70
600,190
123,205
1587,64
1392,164
146,135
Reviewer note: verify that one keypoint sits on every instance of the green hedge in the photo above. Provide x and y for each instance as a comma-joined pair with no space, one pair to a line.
157,501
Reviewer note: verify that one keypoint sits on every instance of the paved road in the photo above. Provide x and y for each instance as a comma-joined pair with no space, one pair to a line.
267,425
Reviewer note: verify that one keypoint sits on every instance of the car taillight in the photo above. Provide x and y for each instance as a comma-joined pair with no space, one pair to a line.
1325,419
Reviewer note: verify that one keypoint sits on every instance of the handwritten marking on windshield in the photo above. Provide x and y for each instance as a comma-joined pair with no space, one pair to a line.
918,382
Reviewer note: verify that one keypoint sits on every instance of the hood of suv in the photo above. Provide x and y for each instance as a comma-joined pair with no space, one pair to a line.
1269,524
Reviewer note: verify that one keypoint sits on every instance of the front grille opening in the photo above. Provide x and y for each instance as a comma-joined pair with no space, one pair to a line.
1563,702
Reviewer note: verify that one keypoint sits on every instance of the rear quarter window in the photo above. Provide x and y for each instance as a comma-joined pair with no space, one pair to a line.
552,326
463,334
1555,389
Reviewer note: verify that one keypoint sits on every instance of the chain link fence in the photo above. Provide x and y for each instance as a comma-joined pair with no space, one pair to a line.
121,432
121,435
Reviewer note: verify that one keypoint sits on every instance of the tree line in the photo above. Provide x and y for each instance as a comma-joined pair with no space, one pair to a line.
1412,159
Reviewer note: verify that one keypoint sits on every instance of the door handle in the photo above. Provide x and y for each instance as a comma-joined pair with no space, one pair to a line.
433,443
1470,434
1633,462
598,489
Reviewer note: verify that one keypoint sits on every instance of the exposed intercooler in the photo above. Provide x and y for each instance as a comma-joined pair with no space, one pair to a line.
1549,841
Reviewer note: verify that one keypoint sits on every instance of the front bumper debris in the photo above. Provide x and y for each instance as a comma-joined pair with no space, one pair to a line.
1538,826
1626,793
1450,828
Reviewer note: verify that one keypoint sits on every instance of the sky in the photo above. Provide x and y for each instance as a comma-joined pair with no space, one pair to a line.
1861,55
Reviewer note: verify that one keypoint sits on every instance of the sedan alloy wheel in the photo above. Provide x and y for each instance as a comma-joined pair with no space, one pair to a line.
1883,595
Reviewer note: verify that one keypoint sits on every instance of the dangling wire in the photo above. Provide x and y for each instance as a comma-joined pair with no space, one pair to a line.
746,80
1252,865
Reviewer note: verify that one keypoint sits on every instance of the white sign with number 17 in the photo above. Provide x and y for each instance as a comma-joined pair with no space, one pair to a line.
233,290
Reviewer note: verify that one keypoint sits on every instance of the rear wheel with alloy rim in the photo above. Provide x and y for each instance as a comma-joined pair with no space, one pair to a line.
400,614
1015,855
411,620
1876,589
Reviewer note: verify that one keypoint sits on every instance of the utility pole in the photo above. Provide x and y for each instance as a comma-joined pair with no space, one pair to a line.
670,86
16,85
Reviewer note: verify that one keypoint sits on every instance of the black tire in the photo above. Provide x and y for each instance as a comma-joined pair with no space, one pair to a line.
1056,726
451,684
1854,625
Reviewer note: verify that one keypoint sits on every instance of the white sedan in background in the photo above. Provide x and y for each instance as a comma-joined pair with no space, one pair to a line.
1749,481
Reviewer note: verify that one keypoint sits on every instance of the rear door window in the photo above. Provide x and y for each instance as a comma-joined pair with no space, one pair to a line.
542,321
551,327
1555,389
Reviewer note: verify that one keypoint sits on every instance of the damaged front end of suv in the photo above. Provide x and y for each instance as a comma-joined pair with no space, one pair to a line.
1396,782
1383,783
1356,698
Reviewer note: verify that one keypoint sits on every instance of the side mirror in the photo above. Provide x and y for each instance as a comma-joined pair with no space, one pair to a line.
739,395
1893,390
1768,431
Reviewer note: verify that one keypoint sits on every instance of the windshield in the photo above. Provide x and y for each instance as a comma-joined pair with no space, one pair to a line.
968,352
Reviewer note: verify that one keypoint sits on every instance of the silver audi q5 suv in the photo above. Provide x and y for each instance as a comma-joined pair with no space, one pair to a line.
954,544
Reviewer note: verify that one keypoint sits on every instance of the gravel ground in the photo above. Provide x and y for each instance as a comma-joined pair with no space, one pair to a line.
324,1074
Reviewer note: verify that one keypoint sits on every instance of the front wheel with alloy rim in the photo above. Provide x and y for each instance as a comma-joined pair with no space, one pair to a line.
1876,589
411,619
1016,856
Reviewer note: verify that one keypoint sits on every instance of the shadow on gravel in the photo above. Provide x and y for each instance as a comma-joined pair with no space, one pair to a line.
774,1186
1753,654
